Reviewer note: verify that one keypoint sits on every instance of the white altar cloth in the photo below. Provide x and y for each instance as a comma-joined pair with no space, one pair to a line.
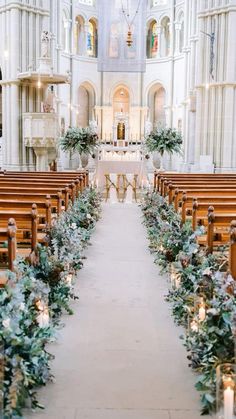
126,167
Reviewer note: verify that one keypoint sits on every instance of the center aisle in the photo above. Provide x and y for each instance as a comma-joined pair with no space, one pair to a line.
120,356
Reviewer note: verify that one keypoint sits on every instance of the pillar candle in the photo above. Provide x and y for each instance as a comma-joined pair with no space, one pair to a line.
202,314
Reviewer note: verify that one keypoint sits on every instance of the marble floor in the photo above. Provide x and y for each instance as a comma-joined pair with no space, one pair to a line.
120,356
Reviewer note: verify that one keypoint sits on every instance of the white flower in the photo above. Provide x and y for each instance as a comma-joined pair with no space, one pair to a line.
207,272
6,323
22,306
74,226
89,216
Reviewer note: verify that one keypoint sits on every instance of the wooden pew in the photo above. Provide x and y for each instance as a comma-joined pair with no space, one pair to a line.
159,178
26,221
205,191
55,199
217,221
44,208
200,210
186,204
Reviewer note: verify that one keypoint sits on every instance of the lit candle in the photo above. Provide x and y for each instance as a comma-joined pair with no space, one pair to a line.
228,403
69,279
194,326
43,318
202,313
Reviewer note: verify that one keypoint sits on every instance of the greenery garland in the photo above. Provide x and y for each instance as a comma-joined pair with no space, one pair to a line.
34,299
195,275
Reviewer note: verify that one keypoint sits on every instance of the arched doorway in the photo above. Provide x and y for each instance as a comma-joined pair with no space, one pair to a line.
156,103
86,103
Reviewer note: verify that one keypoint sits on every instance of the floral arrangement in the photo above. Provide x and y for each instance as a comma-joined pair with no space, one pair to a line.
80,140
195,277
164,140
33,300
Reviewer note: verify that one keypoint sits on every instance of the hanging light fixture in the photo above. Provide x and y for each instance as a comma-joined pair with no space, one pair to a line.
129,20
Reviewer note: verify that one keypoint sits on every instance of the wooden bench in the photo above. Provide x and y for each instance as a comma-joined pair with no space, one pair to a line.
27,222
8,235
199,210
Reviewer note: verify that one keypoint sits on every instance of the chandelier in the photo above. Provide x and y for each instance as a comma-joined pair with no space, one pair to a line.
129,18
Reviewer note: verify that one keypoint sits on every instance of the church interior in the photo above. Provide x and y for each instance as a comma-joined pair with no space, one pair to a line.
117,209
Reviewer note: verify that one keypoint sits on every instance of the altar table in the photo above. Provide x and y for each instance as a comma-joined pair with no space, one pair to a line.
118,167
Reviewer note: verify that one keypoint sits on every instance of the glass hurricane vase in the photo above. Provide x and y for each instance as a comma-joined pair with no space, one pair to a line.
225,391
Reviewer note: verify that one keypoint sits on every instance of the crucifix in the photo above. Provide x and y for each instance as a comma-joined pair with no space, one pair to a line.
212,53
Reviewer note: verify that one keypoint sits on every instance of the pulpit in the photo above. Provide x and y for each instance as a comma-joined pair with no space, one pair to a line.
121,129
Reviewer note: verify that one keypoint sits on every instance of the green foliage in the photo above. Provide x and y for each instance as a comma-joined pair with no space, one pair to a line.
199,275
80,140
42,285
164,140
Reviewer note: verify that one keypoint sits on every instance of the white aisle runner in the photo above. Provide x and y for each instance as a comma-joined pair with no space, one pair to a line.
119,356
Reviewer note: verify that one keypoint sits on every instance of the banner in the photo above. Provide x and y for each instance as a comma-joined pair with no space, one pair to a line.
116,19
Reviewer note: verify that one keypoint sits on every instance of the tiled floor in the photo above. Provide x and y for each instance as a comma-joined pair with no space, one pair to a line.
119,356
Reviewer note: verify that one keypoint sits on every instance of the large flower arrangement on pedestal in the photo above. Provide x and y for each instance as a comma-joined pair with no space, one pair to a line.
164,140
80,140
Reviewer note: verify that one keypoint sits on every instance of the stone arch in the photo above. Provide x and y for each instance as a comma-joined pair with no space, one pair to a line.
156,102
121,100
86,104
118,86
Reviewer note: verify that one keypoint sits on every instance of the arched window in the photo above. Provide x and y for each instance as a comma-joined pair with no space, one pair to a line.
80,36
0,104
165,34
92,38
152,40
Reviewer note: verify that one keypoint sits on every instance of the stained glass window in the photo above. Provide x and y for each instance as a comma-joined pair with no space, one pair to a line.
92,39
152,41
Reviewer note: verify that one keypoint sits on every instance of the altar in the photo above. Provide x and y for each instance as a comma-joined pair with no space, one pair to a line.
120,160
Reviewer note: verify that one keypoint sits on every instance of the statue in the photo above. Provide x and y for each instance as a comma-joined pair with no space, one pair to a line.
49,104
148,127
45,44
